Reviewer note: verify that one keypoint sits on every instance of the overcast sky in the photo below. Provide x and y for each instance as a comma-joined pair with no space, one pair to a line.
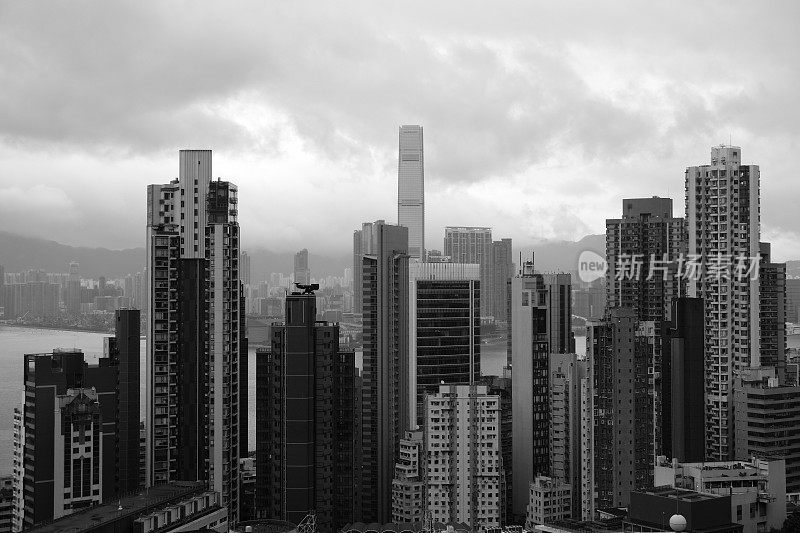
539,117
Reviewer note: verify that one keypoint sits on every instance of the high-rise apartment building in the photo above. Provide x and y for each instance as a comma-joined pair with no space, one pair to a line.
622,433
462,456
308,450
540,324
408,485
302,274
502,272
683,383
71,433
723,217
567,373
194,401
772,311
30,299
411,189
444,328
386,404
643,250
473,245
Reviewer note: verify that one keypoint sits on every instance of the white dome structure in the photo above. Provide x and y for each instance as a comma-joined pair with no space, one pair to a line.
677,522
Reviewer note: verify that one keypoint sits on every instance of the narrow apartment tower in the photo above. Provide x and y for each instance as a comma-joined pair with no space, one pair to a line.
622,432
444,329
411,189
193,331
307,452
540,324
387,401
123,352
772,311
463,462
723,223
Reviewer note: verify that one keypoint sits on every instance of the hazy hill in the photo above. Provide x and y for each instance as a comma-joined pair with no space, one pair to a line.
18,253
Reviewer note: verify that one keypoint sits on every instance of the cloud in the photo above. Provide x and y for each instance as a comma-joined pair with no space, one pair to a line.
525,105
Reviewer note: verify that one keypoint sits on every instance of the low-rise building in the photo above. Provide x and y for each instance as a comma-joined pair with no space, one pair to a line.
757,488
550,499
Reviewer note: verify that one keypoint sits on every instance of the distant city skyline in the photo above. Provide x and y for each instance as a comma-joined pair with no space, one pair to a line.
538,118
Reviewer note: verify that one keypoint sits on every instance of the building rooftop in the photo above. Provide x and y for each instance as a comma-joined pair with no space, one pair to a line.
131,505
668,491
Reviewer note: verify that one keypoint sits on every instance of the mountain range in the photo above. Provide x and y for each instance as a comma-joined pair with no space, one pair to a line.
19,253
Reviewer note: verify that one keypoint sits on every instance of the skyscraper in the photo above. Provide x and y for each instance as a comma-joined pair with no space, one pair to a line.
73,293
302,274
539,324
772,311
386,394
473,245
308,451
122,351
73,430
444,328
723,217
411,189
193,331
622,431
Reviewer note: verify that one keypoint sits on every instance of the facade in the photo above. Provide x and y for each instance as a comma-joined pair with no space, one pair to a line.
411,189
463,460
386,406
757,488
473,245
772,311
6,504
540,324
643,249
408,485
502,271
500,386
767,422
302,274
618,361
68,435
18,471
444,328
307,454
194,324
683,406
567,373
550,499
723,221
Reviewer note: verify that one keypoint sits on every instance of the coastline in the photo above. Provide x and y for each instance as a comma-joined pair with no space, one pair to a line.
58,328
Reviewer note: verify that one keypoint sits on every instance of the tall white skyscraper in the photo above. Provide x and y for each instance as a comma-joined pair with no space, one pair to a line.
411,189
722,215
195,410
